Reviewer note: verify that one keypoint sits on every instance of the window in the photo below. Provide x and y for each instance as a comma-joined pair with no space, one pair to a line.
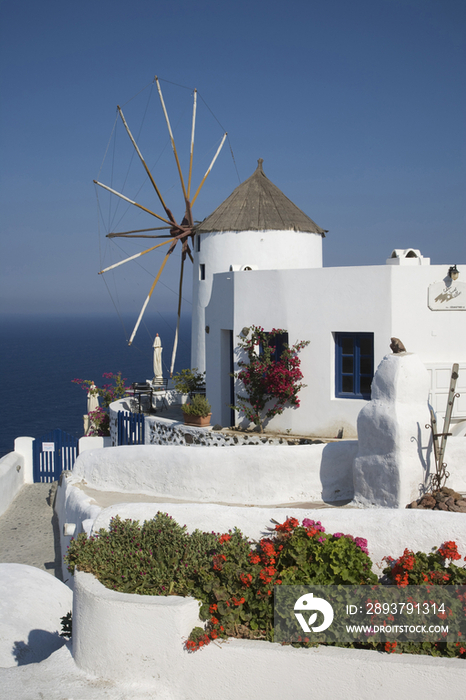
354,365
202,271
198,243
278,342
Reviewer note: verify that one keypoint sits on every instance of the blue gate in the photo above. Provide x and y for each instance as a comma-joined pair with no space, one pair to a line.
130,428
53,453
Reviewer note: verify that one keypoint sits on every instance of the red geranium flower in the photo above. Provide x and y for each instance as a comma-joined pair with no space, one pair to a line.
246,579
218,560
449,550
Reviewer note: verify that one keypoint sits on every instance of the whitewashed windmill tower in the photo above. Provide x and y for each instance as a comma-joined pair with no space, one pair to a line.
256,228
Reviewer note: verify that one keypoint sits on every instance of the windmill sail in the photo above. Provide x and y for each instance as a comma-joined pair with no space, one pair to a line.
177,232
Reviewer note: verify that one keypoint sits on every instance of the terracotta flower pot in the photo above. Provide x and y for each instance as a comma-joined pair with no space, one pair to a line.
197,421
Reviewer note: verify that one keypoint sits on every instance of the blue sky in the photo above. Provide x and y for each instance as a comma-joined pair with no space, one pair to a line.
357,108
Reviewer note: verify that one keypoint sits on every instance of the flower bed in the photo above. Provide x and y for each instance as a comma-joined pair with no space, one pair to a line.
138,640
233,578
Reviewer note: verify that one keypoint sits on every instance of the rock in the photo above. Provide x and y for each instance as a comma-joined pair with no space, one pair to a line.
450,502
396,346
441,506
461,502
454,508
412,505
446,492
440,497
427,501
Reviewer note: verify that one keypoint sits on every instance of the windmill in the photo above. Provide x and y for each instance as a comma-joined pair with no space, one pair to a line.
178,232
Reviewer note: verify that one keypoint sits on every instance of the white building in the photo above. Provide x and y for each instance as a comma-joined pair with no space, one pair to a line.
258,261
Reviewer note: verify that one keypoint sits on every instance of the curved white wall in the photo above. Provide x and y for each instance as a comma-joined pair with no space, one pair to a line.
237,475
72,506
11,478
140,639
262,250
31,604
130,637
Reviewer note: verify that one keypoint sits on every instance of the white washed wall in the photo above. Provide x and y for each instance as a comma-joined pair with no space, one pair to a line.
93,442
140,639
312,305
32,602
262,250
72,506
11,479
15,470
23,447
254,475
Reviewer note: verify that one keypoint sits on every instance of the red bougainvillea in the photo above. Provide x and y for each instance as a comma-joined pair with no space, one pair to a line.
266,380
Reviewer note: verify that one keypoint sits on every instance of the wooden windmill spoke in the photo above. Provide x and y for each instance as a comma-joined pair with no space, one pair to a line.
130,201
151,291
180,290
172,239
167,211
133,257
131,233
192,143
134,235
171,137
209,168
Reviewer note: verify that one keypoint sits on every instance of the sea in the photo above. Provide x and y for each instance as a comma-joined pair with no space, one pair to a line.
41,355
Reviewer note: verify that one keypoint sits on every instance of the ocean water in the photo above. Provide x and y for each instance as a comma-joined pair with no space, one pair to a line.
40,356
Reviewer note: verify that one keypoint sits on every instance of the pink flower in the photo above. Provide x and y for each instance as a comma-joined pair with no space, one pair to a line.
307,523
362,544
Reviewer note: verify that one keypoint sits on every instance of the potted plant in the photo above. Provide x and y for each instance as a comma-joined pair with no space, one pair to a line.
197,412
188,381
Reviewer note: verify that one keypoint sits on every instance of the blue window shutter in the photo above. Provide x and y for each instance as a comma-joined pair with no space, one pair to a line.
354,365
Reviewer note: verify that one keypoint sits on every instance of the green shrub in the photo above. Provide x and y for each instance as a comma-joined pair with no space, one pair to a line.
223,572
67,625
159,558
189,380
233,579
198,406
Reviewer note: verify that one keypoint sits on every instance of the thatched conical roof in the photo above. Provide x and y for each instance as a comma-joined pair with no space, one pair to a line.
258,205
